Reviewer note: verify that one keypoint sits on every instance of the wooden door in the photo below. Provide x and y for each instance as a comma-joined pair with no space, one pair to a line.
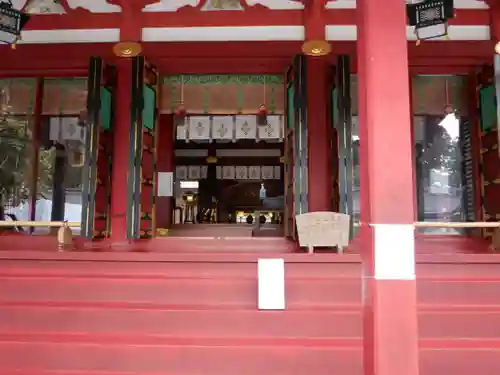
96,193
141,216
343,126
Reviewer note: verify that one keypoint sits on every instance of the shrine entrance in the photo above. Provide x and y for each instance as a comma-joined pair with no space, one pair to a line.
228,155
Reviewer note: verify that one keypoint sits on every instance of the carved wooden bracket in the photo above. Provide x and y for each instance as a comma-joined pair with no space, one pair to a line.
71,7
311,3
132,4
243,4
66,7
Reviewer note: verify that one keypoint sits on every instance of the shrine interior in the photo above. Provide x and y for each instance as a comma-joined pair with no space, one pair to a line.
228,148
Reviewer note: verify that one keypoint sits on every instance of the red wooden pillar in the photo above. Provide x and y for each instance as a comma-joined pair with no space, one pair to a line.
164,205
320,187
318,128
387,191
121,151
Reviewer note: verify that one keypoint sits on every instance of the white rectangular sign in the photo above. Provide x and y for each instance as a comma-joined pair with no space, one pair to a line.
271,284
165,184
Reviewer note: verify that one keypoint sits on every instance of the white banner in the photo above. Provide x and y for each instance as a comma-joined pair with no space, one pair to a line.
199,128
223,128
71,129
194,172
241,172
55,129
228,172
181,129
272,130
246,127
181,172
66,129
277,172
267,172
254,173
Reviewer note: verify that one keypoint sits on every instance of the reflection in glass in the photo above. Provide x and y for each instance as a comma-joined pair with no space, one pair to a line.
439,170
62,140
60,170
440,110
16,125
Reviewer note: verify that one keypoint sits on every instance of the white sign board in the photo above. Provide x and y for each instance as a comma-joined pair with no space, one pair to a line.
325,229
165,184
271,284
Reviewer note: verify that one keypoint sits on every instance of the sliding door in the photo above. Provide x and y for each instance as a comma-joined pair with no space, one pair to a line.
96,193
296,147
141,218
341,103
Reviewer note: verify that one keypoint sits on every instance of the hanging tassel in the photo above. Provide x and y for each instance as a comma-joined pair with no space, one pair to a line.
262,112
448,108
180,109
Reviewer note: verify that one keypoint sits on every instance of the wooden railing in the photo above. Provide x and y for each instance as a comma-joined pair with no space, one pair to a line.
64,234
467,224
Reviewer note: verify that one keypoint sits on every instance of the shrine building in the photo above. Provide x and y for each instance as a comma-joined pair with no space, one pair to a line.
168,167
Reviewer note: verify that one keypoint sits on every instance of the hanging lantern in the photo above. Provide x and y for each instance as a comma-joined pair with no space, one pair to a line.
82,118
448,107
429,17
262,112
12,21
262,115
180,111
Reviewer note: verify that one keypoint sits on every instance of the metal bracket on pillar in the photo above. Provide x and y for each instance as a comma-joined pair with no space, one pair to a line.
131,28
314,24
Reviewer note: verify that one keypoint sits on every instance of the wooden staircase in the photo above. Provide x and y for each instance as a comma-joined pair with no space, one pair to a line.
193,313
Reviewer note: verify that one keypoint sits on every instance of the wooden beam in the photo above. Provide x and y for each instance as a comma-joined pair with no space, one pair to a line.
188,17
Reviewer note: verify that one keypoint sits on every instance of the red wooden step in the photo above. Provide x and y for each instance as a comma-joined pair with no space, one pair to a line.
42,358
233,323
190,314
134,266
242,292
